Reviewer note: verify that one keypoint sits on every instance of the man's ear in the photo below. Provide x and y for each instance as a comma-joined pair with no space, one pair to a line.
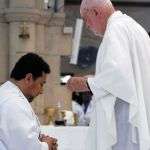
29,78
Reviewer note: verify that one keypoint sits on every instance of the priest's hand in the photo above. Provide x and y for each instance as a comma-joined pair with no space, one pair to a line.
52,142
77,84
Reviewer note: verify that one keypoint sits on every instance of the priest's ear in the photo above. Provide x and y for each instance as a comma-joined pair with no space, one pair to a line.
29,78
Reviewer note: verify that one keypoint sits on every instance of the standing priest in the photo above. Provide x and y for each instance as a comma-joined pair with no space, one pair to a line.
120,87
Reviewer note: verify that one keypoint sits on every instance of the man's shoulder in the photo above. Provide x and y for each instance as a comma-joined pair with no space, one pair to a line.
121,21
13,103
6,91
118,23
119,26
7,98
8,95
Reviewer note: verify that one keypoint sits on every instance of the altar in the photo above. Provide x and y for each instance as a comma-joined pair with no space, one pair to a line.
69,137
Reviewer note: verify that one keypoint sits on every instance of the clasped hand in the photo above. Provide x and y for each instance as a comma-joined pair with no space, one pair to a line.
52,142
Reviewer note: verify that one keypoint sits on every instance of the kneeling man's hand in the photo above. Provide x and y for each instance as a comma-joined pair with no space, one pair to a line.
52,142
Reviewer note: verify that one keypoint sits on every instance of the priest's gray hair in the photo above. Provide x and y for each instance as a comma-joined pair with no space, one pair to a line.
87,4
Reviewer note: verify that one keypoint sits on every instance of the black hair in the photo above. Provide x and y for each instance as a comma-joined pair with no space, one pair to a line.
29,63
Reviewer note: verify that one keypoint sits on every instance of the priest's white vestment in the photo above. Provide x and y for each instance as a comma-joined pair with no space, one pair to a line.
19,127
121,118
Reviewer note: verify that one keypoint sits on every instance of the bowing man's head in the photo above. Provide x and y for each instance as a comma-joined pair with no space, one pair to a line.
29,74
95,14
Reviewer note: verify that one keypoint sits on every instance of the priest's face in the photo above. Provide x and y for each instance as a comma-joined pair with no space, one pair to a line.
35,87
94,20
